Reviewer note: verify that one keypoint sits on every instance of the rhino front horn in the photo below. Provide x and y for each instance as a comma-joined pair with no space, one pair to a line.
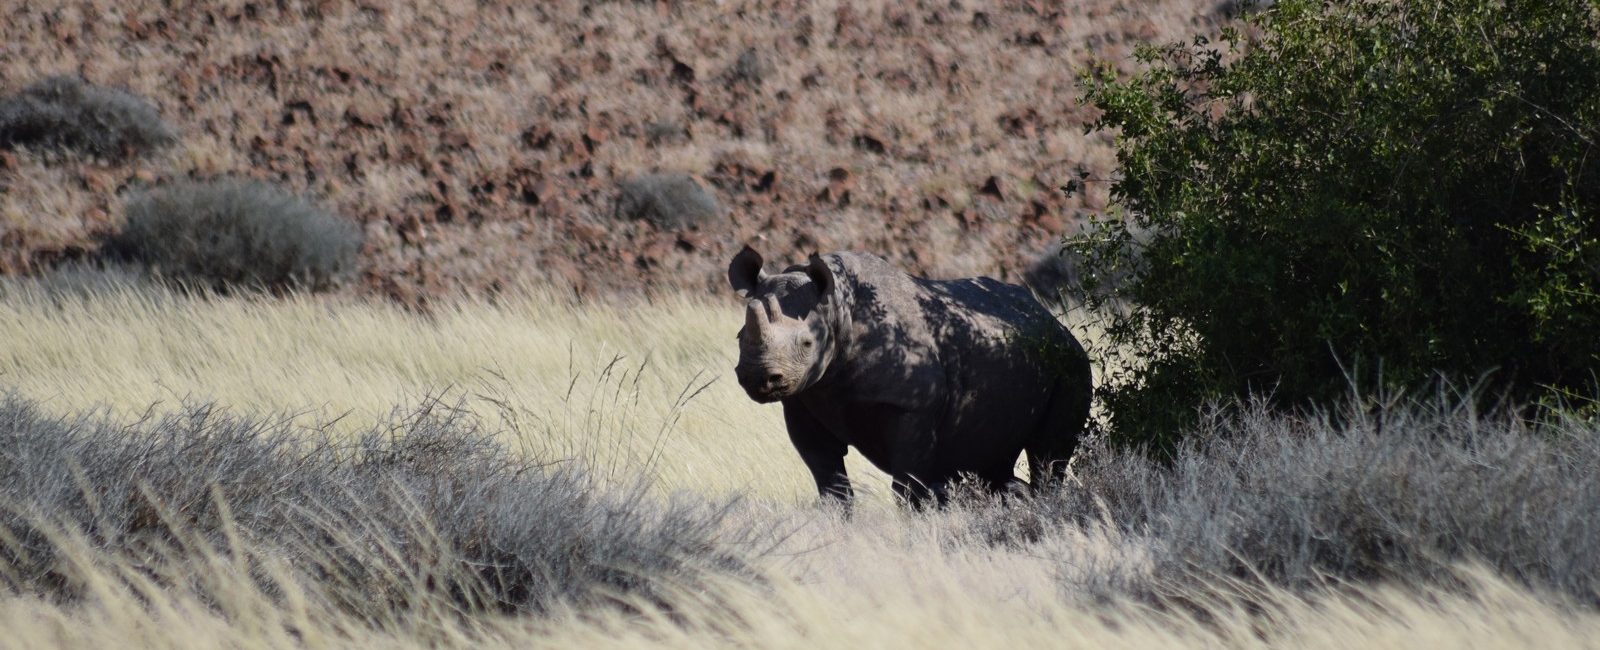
754,320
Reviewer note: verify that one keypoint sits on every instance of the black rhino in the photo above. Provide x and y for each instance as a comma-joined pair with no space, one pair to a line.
928,379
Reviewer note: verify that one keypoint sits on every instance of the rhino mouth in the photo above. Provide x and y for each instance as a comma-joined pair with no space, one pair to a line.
766,395
764,398
764,391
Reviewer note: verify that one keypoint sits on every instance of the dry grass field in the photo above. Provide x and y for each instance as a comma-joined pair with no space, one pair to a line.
629,388
557,372
634,383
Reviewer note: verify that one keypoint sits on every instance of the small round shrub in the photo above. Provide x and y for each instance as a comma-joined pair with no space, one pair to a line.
67,113
668,200
237,233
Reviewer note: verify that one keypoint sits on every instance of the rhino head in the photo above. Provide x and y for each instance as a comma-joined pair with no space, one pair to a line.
787,341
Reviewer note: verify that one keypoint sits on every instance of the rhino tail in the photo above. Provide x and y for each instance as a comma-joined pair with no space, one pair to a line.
1051,446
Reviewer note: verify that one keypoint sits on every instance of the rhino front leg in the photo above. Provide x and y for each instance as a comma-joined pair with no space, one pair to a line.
822,452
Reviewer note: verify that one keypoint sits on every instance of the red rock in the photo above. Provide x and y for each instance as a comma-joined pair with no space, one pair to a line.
691,241
766,182
840,177
369,113
454,139
993,187
587,233
411,228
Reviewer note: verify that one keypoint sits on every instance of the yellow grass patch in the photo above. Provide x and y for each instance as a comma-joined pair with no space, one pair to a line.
611,383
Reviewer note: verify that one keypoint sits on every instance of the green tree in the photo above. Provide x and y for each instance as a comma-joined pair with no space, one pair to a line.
1389,191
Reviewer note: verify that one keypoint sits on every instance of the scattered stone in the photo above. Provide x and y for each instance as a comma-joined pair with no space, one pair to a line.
992,187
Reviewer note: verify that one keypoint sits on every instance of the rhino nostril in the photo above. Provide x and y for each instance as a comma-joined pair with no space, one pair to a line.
774,379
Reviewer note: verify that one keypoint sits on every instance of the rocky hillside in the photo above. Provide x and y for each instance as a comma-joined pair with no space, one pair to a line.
603,145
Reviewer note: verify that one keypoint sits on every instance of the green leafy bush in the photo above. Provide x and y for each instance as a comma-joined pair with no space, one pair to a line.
232,233
66,112
1369,191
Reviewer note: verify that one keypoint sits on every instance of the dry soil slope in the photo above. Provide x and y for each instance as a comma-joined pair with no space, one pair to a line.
482,142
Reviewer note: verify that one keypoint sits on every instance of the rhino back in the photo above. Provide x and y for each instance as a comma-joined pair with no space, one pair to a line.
972,311
923,335
975,357
1005,359
890,354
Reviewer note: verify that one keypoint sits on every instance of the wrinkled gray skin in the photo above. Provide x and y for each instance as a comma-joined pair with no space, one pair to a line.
928,379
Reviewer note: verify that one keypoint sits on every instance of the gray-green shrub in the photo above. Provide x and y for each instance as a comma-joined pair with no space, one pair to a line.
68,113
670,201
237,233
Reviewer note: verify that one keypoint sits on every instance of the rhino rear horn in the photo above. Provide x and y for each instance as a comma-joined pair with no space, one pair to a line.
745,272
821,274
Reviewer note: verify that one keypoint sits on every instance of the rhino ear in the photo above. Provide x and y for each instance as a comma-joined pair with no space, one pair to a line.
745,272
822,275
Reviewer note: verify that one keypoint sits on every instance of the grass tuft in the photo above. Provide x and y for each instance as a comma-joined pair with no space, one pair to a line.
1401,493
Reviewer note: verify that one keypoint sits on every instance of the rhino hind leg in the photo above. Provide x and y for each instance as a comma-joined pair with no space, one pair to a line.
1002,481
1047,464
1051,446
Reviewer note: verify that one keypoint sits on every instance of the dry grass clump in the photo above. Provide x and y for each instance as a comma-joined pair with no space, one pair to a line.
68,113
1401,492
205,526
1055,275
1063,273
892,585
425,507
227,233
